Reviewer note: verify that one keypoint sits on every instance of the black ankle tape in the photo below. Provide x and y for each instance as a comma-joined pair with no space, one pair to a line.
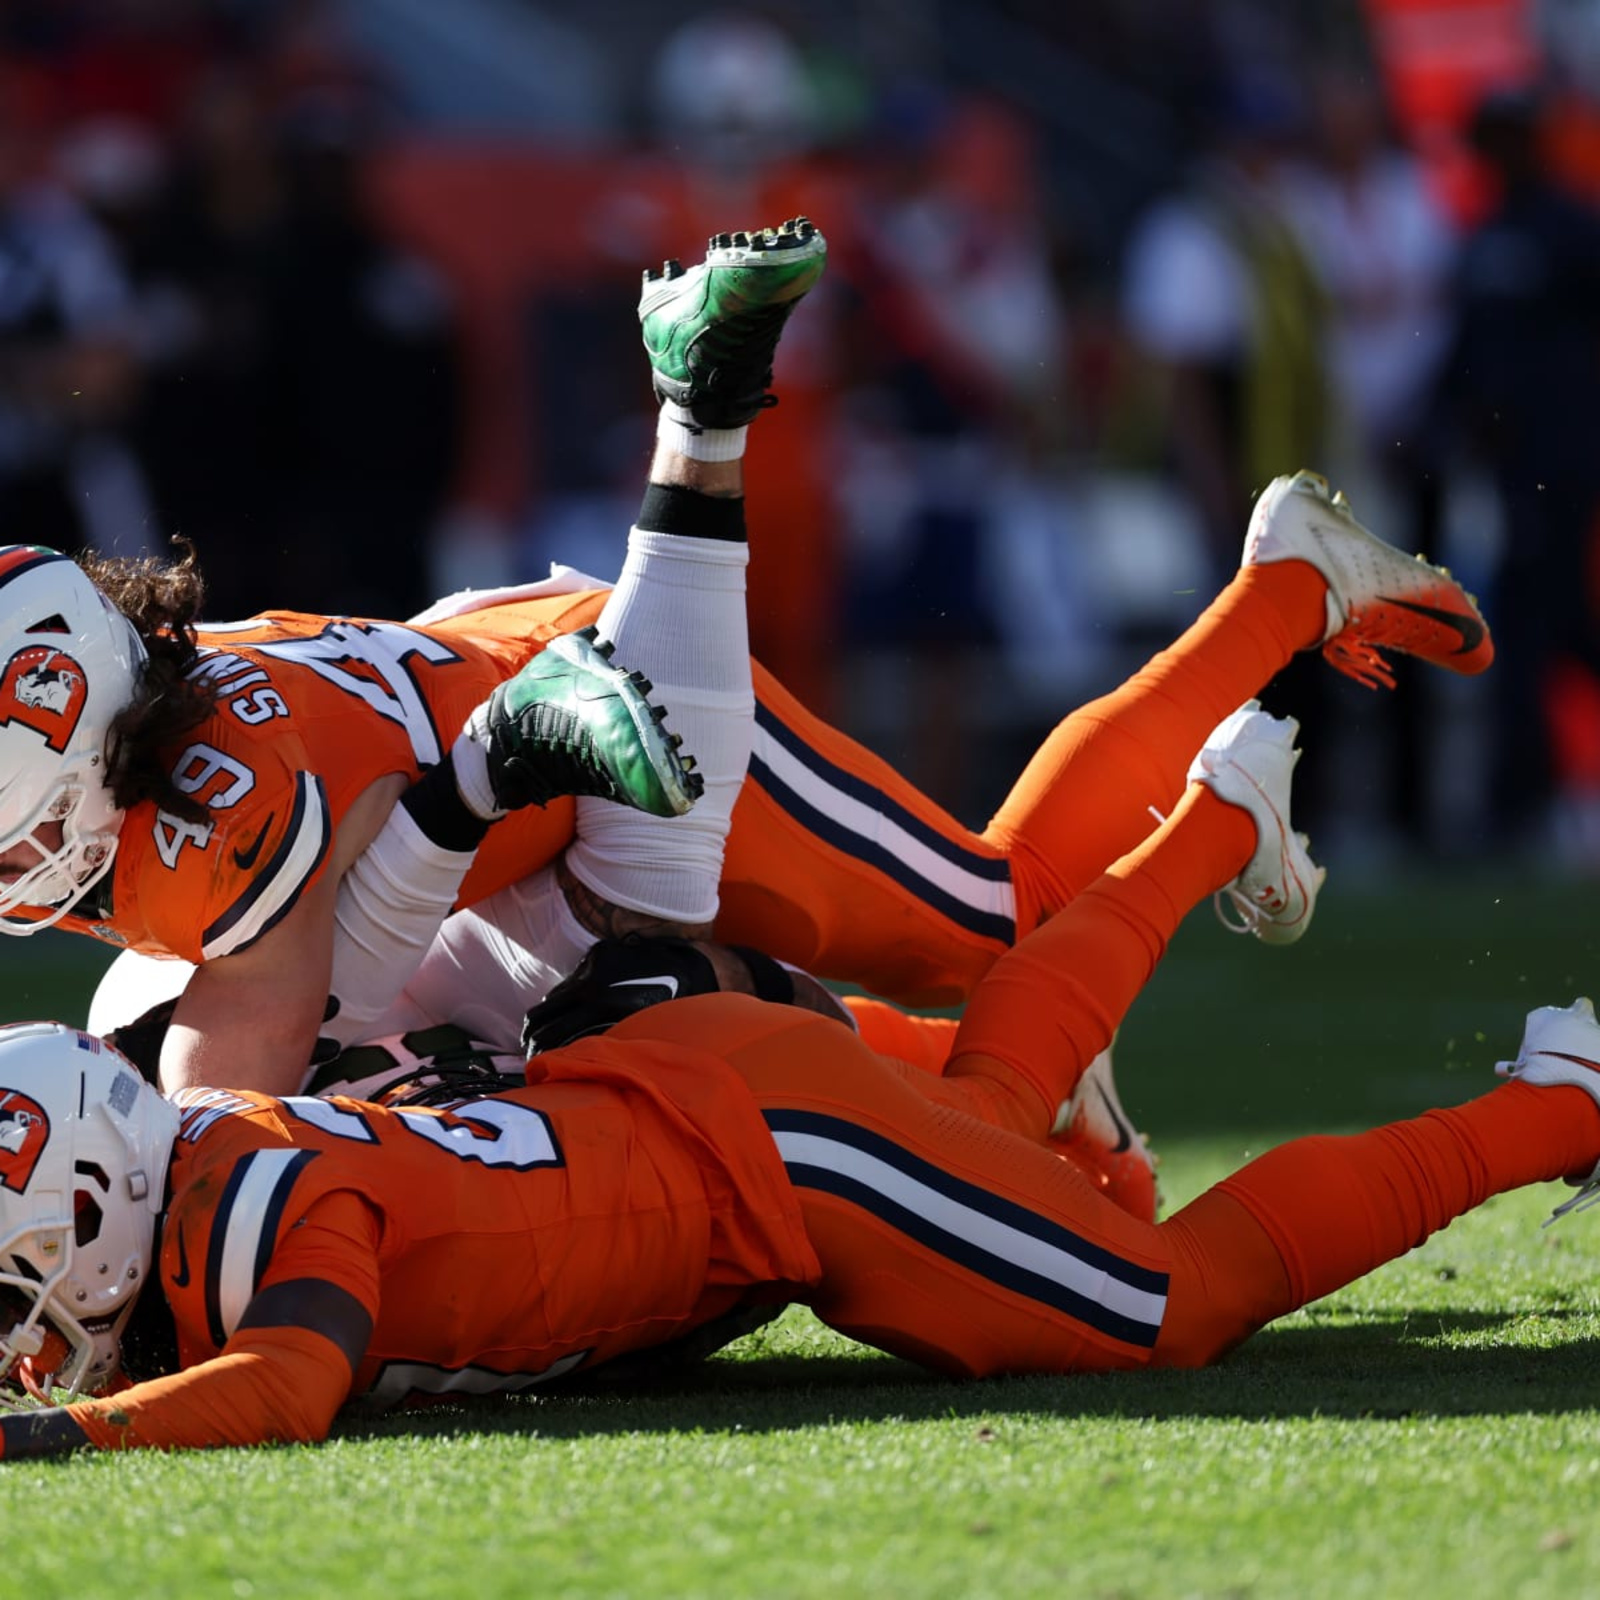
773,981
670,508
437,808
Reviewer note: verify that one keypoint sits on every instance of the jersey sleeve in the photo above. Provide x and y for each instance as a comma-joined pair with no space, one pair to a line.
269,1385
204,890
275,1378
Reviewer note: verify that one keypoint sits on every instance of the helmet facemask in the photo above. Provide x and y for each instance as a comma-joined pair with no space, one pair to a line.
68,870
84,1148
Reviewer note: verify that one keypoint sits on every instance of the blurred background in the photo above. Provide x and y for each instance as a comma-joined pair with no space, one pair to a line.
343,292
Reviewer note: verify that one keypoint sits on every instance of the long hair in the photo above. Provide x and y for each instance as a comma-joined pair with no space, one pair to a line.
162,599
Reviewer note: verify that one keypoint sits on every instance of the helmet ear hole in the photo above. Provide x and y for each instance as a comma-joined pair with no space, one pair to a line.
87,1213
87,1218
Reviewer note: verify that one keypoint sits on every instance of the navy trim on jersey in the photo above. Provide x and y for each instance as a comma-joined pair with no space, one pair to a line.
244,1232
311,797
977,908
1015,1248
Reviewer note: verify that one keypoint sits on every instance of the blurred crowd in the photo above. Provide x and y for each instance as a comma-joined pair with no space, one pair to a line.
341,292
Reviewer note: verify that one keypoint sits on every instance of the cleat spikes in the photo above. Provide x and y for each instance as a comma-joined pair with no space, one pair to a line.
571,722
1379,598
711,332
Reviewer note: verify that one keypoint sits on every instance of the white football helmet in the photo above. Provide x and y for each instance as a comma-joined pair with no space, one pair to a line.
69,662
84,1148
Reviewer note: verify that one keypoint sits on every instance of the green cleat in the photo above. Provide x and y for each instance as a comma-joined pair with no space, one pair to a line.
572,723
712,331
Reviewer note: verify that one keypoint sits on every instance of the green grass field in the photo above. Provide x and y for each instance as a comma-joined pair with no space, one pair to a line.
1431,1431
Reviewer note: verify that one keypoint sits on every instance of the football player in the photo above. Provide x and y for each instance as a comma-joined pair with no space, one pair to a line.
831,862
206,792
694,1158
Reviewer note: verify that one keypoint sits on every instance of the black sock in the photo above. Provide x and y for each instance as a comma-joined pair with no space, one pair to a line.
437,808
670,508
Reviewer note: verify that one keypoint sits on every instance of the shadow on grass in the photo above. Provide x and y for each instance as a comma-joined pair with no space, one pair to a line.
1401,1366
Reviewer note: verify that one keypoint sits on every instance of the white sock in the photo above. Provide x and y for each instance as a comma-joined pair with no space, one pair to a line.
677,430
494,960
390,904
677,615
470,760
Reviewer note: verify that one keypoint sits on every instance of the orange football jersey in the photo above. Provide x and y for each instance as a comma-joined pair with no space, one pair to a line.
311,710
495,1244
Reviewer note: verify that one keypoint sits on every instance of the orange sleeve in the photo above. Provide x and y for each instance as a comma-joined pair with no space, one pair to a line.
269,1384
288,1366
922,1042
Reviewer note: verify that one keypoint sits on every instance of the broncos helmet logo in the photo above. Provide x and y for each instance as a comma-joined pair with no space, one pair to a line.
24,1132
44,689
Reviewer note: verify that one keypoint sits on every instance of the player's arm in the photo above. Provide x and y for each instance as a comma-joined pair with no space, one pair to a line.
250,1020
281,1378
282,1375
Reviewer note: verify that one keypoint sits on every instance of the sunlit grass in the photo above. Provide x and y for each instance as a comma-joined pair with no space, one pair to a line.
1431,1431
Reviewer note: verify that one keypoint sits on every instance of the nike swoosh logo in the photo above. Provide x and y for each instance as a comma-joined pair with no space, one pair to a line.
245,858
1124,1132
1577,1061
663,982
180,1278
1468,629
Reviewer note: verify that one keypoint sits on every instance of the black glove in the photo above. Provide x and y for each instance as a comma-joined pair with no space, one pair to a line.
616,978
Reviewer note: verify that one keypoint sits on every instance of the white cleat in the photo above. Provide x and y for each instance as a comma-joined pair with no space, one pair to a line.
1092,1125
1379,598
1561,1045
1249,761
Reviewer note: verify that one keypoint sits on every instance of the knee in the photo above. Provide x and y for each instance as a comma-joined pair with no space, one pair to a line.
1227,1280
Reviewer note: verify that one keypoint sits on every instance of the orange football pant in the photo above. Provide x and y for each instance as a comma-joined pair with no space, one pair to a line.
947,1232
839,865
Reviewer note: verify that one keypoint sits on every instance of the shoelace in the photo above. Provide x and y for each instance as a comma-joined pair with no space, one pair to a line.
1587,1195
569,760
1250,915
